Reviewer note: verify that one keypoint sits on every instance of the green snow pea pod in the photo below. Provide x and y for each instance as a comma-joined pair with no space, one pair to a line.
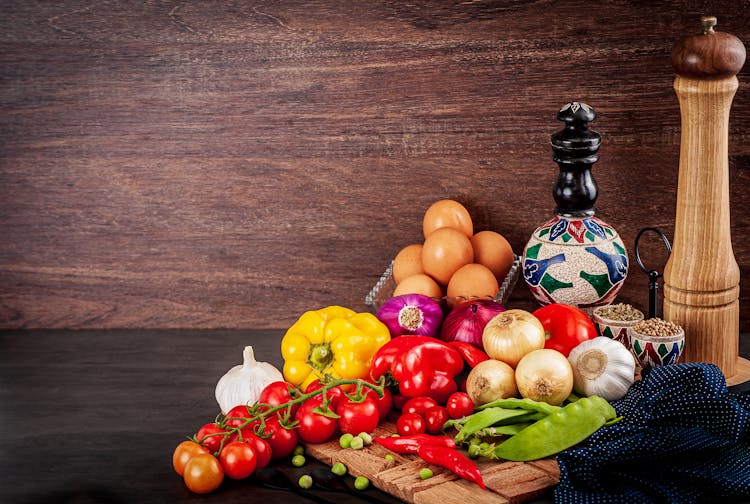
567,427
486,418
525,404
501,430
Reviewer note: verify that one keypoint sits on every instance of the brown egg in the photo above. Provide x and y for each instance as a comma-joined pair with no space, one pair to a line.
447,213
419,284
491,249
472,281
408,262
444,251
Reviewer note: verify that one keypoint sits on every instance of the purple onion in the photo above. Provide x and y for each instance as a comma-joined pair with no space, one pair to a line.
466,321
411,314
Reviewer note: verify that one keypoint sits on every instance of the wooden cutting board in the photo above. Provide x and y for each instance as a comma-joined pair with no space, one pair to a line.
507,482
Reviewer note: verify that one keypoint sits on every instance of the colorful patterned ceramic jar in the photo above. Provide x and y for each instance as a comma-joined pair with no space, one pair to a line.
656,348
575,258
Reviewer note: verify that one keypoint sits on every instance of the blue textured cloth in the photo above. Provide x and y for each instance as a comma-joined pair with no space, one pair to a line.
683,438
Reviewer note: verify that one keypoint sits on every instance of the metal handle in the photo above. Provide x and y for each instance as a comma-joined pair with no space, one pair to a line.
653,275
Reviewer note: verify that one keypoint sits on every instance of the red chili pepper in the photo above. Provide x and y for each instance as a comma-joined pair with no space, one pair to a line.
471,354
411,444
452,460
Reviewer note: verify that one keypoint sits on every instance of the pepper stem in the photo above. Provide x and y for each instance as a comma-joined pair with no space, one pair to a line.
320,356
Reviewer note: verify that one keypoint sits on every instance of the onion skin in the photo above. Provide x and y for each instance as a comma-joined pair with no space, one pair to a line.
489,381
411,314
510,335
466,322
545,375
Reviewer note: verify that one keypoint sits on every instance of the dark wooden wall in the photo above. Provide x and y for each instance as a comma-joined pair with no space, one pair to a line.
233,164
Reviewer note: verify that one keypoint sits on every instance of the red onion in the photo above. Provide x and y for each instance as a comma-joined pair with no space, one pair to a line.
466,321
411,314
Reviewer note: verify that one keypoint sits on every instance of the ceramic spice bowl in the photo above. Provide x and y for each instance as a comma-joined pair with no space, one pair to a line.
655,342
613,321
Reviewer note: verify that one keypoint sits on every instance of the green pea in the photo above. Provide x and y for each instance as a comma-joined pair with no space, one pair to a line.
298,460
299,450
487,418
567,427
357,443
366,438
425,474
345,440
360,483
338,469
305,481
389,457
525,404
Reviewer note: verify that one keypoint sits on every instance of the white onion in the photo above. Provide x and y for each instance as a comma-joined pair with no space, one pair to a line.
510,335
489,381
545,375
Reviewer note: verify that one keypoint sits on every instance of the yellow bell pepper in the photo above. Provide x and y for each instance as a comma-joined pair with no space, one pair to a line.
333,340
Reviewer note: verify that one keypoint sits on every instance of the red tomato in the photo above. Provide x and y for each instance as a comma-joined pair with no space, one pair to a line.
459,405
314,427
260,446
206,438
435,418
203,473
356,417
565,326
183,453
235,416
334,394
238,460
410,423
283,441
419,405
277,393
384,403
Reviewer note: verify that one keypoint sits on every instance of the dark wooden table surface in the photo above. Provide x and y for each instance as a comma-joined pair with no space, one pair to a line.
93,416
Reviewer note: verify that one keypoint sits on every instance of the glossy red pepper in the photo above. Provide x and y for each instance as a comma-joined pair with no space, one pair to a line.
471,354
411,443
421,365
452,460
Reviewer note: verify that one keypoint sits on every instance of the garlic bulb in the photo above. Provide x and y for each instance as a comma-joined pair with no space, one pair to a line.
602,367
243,384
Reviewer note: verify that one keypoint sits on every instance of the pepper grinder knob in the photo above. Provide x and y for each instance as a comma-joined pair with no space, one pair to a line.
575,148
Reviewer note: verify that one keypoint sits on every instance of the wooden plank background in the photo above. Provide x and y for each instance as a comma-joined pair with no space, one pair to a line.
231,164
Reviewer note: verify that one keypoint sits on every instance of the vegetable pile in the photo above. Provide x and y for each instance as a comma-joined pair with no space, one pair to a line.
460,379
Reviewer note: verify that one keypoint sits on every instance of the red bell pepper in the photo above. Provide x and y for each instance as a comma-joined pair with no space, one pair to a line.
421,365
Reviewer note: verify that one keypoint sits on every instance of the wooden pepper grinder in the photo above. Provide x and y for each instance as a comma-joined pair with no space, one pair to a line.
701,278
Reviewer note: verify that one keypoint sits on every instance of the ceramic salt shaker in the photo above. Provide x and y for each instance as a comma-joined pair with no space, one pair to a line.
575,257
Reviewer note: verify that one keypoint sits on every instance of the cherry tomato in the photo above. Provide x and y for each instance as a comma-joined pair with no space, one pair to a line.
419,405
277,393
237,415
410,423
459,405
384,403
565,326
314,427
356,417
206,438
333,395
283,441
261,447
435,418
203,473
238,460
183,453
